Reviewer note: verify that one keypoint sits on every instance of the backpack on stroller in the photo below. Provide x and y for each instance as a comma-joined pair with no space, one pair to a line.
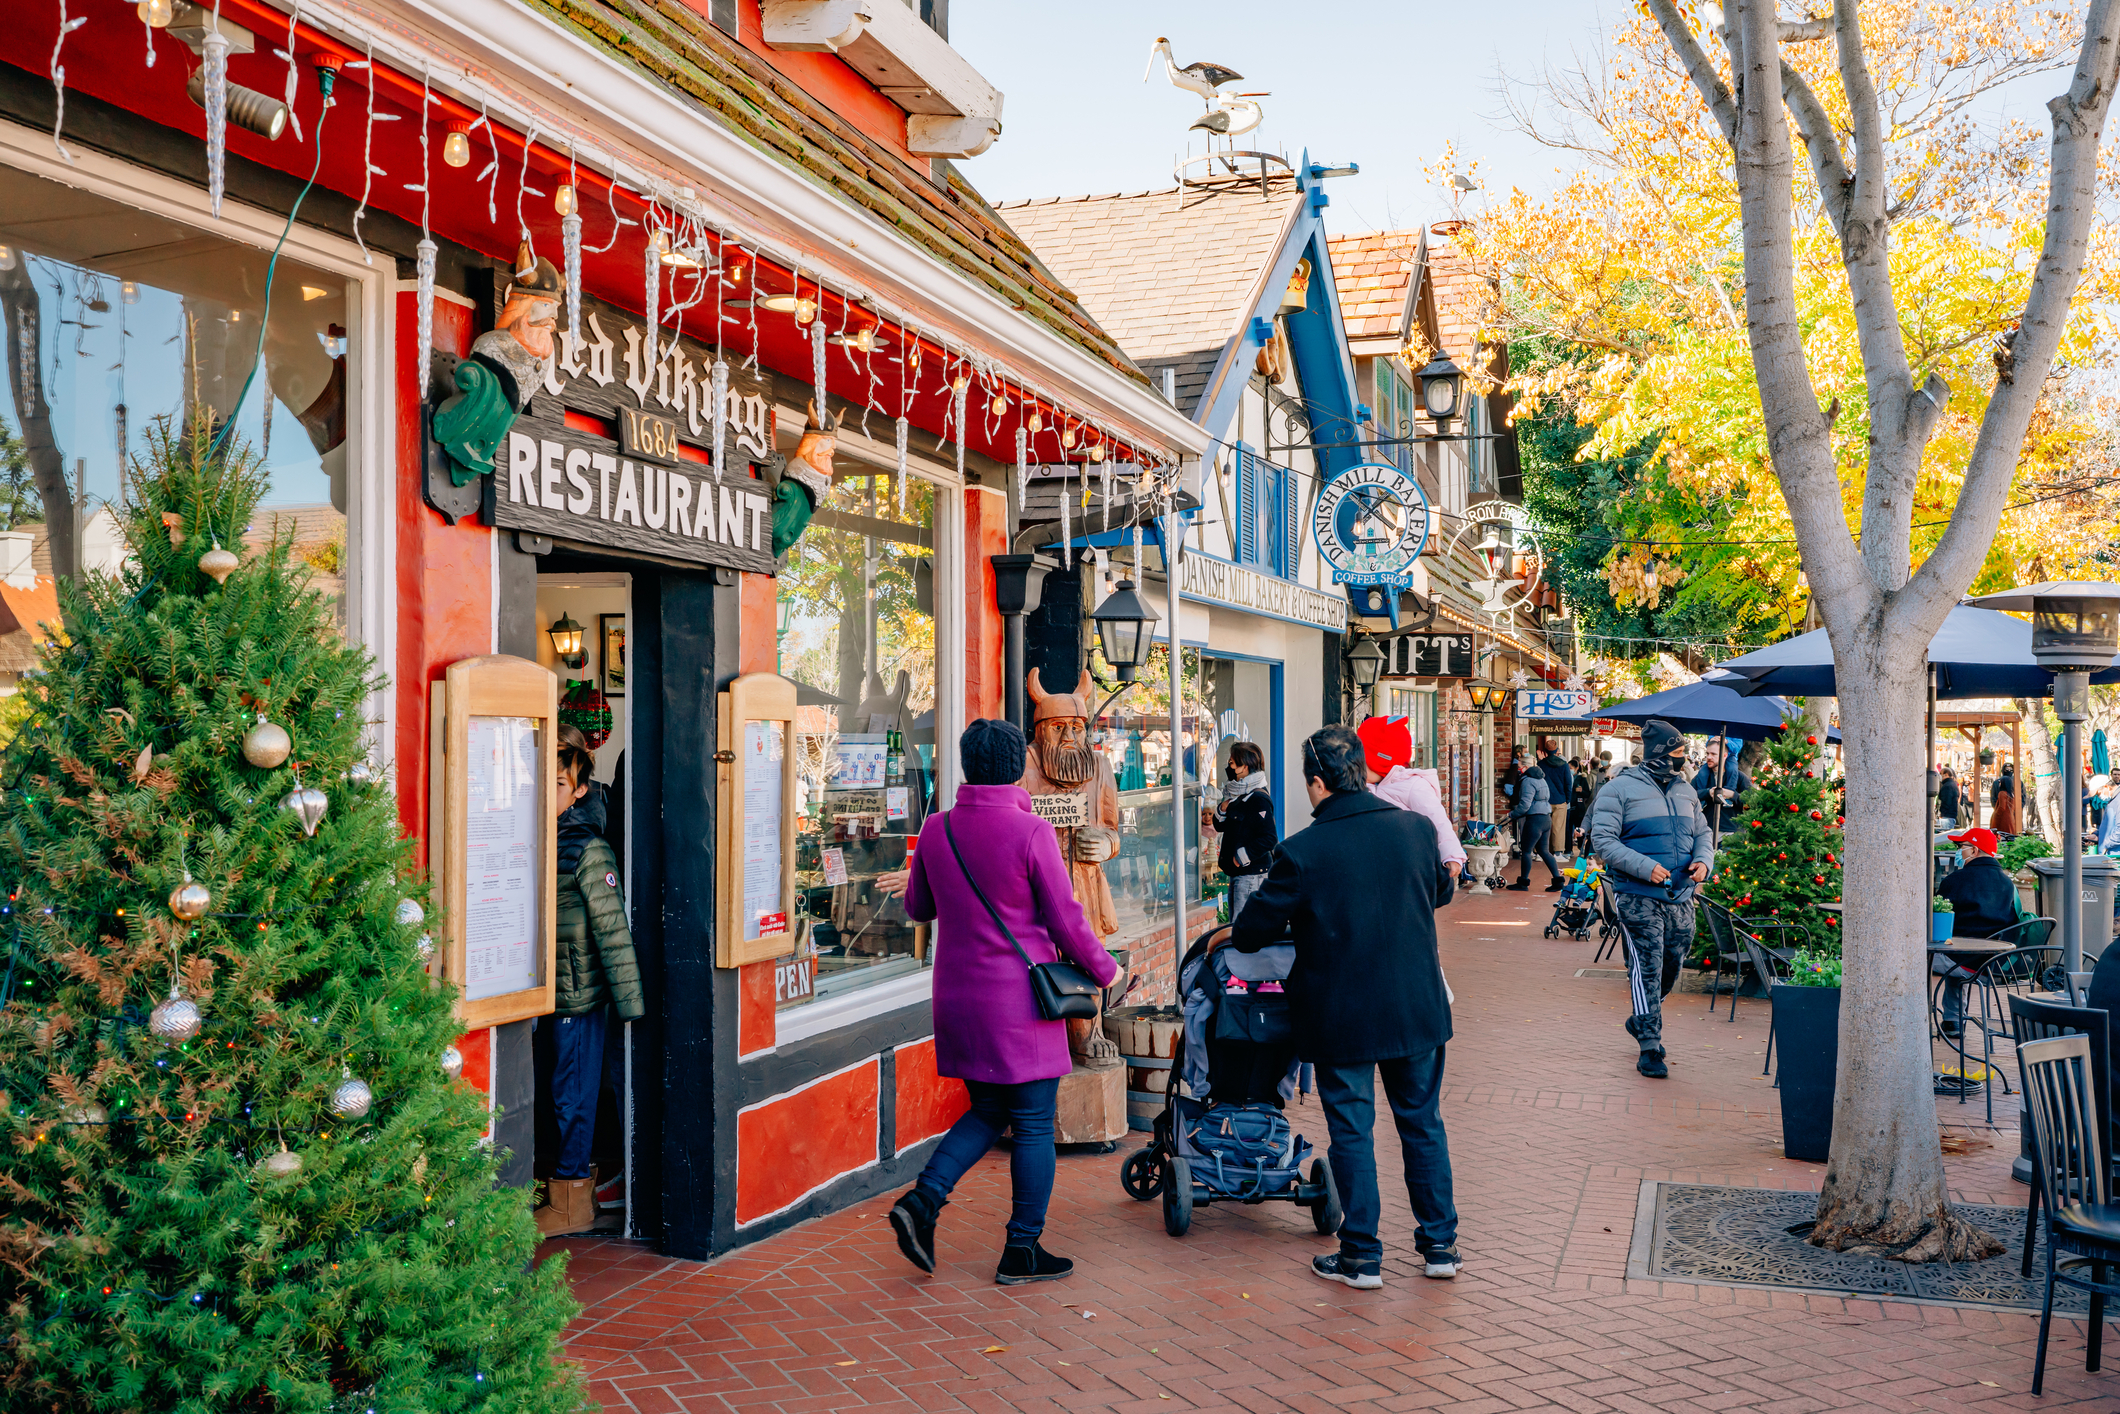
1222,1135
1576,908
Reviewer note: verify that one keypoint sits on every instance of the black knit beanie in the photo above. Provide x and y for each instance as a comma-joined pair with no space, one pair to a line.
991,751
1658,737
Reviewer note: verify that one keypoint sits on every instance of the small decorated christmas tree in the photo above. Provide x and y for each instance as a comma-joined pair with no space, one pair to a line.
1785,854
240,1170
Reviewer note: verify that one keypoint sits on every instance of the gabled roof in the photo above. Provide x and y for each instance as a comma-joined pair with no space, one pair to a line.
1173,286
947,220
22,614
1463,298
1374,274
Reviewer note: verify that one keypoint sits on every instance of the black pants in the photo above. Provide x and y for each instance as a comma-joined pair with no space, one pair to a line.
1535,832
1413,1085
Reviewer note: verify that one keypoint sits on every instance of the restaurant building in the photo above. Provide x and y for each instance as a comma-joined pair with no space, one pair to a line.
782,301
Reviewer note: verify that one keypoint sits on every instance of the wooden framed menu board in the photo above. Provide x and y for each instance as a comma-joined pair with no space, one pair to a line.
493,845
755,768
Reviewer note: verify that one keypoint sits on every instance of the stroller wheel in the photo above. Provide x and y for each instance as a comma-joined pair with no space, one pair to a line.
1326,1211
1552,931
1141,1176
1177,1196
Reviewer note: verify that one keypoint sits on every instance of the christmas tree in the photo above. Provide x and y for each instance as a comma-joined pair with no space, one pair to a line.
240,1171
1785,854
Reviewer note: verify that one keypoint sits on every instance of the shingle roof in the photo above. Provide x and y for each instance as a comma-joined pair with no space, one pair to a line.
1463,297
950,221
22,612
1374,274
1171,286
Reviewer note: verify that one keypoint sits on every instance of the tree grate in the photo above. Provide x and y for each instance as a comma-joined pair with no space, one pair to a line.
1717,1236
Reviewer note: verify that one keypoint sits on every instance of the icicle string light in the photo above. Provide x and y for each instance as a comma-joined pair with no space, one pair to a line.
490,174
67,27
817,364
1067,539
216,95
1023,467
718,383
294,72
369,170
423,302
150,29
957,411
652,263
903,428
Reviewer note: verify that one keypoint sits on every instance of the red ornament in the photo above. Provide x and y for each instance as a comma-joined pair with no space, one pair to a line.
1757,823
1815,815
1810,741
1831,921
1818,878
1829,859
1792,807
1781,856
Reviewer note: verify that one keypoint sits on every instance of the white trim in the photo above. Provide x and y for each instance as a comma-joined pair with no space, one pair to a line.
575,90
875,1134
801,1023
809,1193
371,446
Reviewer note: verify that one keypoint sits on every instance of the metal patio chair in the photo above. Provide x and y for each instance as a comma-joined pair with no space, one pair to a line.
2033,1020
2071,1168
2018,972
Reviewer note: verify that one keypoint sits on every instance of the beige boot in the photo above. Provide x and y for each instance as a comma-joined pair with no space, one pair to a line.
572,1207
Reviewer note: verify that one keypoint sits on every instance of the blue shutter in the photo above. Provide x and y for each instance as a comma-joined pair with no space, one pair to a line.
1244,536
1291,506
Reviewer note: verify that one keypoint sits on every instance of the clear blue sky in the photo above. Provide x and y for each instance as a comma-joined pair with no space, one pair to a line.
1385,85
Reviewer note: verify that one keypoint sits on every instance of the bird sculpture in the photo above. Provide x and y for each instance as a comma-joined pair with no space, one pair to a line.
1202,78
1232,115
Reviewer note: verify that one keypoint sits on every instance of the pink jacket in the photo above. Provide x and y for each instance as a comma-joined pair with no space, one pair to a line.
1415,789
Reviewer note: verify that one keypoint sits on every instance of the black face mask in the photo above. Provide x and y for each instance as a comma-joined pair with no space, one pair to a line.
1662,768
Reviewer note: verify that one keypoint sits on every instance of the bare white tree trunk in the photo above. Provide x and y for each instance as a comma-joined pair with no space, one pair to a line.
1884,1190
1817,721
2043,766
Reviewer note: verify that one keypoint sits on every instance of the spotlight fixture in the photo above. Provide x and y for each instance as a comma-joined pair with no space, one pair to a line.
247,108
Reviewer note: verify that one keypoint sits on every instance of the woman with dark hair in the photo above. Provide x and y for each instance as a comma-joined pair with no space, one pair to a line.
990,871
1245,820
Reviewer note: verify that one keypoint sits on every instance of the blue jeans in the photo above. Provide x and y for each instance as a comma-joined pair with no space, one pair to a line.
577,1074
1414,1086
1025,1109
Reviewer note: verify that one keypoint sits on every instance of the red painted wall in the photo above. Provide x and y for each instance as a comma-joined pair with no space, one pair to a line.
789,1146
927,1103
985,535
826,78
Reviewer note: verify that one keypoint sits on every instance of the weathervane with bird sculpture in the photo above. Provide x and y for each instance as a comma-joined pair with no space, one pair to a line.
1228,115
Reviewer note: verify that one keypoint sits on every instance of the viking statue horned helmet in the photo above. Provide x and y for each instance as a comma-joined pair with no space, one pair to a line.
1045,705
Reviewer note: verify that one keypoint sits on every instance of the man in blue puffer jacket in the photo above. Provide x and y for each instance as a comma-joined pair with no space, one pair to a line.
1647,828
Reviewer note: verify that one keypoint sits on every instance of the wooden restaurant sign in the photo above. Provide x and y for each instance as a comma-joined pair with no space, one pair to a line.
615,452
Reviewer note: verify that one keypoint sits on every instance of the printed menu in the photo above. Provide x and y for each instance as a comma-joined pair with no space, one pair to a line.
506,815
764,747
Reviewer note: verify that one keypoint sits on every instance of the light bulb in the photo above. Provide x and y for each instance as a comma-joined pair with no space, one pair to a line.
156,14
659,241
959,383
1096,453
456,148
998,406
1067,439
736,274
1034,422
805,310
129,291
563,200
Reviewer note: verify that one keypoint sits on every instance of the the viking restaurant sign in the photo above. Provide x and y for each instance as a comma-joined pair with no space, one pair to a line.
614,451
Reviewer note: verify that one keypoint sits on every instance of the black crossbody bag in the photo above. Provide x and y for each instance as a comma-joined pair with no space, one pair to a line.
1064,991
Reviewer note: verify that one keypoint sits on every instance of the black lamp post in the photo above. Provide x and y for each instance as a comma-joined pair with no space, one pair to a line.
567,642
1364,662
1019,587
2075,632
1125,630
1442,387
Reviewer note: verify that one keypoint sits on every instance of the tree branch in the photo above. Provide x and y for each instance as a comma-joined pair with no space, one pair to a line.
1804,31
2079,123
1815,126
1713,91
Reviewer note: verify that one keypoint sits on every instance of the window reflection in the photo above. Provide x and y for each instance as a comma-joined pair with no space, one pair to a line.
857,634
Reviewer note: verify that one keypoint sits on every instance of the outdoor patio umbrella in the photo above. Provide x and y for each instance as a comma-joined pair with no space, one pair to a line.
1977,653
2101,759
1710,708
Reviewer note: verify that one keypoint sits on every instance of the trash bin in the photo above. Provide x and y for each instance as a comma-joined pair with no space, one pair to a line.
2101,877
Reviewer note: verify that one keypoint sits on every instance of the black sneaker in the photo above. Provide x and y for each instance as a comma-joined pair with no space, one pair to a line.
1349,1271
913,1218
1652,1065
1028,1264
1442,1263
1555,887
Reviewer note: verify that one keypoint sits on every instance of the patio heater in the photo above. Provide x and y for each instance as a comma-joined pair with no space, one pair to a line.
2075,632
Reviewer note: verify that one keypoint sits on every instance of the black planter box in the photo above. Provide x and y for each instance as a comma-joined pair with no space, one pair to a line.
1807,1044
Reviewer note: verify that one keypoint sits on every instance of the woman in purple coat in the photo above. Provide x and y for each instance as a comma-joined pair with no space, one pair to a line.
988,1032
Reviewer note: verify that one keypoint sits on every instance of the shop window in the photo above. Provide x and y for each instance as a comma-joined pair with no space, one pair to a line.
115,318
1266,515
857,634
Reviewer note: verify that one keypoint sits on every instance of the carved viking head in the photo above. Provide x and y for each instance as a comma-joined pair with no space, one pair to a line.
530,311
1060,730
819,440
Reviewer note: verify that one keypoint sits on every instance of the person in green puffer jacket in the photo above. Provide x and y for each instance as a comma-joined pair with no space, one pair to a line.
596,972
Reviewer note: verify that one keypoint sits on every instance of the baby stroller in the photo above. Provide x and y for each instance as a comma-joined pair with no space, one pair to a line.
1222,1135
1576,907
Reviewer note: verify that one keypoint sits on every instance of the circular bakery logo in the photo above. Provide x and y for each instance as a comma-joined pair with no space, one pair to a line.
1370,523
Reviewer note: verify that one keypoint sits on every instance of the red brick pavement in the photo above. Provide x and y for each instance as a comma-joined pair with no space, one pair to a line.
1552,1134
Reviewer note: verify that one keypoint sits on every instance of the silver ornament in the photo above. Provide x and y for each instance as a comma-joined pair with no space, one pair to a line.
360,773
189,901
90,1113
283,1163
267,744
308,804
352,1099
452,1063
219,564
425,946
176,1020
410,914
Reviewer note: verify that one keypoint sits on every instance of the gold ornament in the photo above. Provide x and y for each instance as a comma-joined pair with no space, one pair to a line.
219,563
267,744
189,900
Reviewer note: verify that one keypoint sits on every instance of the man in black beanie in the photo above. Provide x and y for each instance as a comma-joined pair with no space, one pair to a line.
1647,828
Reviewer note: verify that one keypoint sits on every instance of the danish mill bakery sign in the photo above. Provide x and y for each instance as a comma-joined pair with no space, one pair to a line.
1370,523
616,452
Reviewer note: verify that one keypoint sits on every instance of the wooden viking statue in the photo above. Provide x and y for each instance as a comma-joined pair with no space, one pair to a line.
1060,761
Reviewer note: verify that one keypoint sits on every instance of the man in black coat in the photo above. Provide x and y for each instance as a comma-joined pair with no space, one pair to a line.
1560,784
1359,889
1985,899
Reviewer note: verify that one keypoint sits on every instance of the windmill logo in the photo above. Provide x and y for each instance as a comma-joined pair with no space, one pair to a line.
1371,523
